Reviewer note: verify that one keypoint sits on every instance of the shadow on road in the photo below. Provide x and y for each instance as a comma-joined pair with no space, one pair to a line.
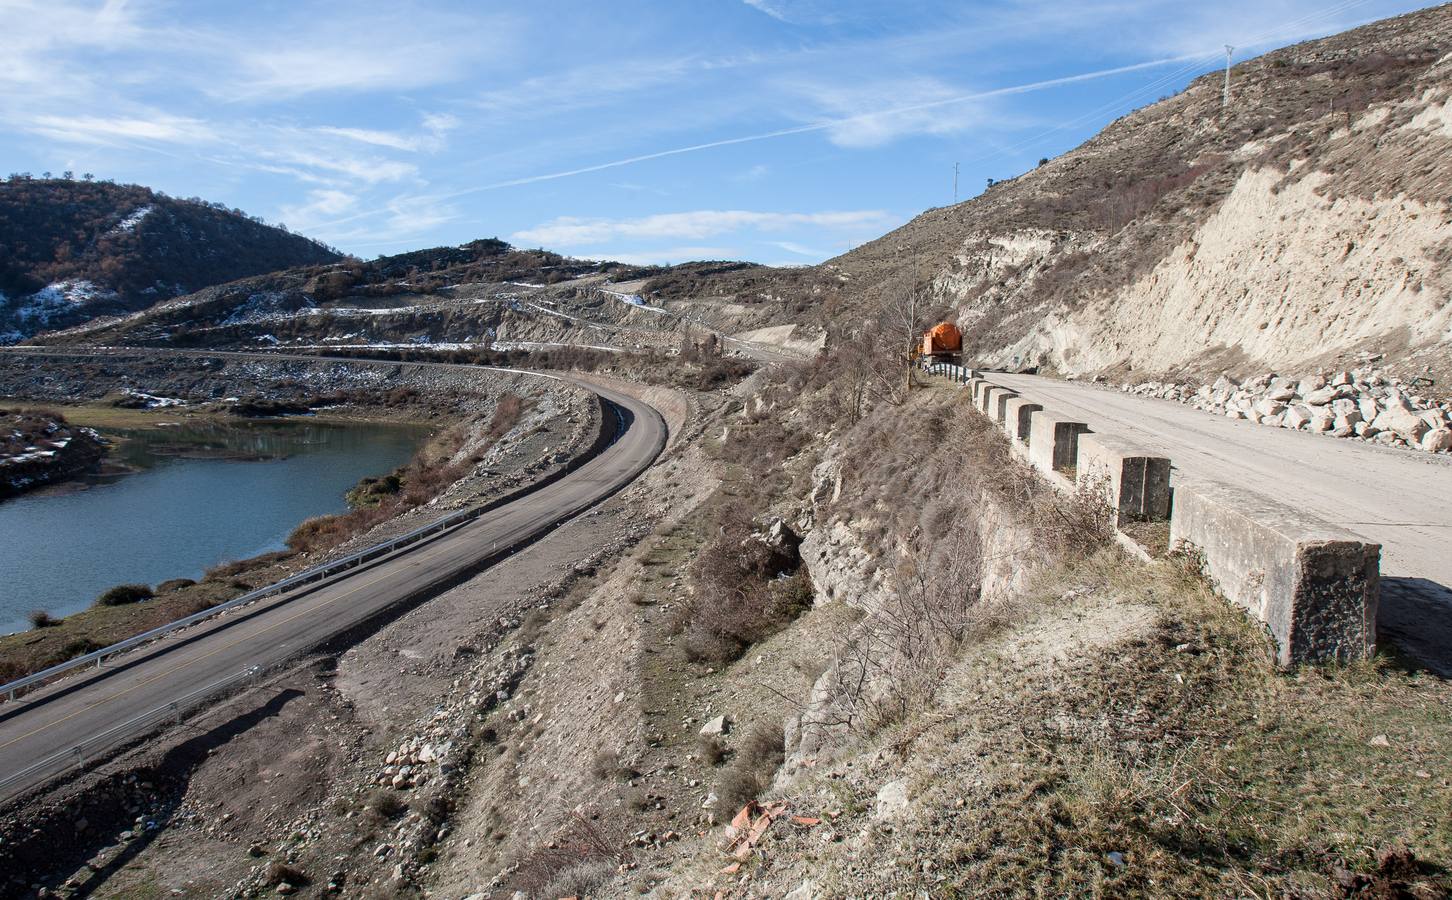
1416,615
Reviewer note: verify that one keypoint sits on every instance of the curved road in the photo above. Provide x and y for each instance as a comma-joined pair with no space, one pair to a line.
77,708
1398,498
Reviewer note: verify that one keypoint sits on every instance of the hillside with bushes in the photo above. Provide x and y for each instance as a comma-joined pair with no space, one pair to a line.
71,250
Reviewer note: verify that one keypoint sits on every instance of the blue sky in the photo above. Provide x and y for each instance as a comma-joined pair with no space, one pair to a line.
780,131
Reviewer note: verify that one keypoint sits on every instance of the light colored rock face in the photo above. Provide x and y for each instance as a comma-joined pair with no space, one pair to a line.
1285,273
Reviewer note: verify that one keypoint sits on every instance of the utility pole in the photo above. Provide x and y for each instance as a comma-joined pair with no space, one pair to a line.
1225,97
955,184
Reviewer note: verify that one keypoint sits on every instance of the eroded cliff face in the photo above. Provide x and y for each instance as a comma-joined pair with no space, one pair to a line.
1283,275
859,561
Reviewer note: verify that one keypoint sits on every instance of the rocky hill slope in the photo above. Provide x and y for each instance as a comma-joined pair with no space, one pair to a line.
1307,221
478,295
73,250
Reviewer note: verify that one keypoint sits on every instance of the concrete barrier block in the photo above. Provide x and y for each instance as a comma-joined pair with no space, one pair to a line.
1136,481
998,405
975,385
1054,440
986,399
1315,585
1016,412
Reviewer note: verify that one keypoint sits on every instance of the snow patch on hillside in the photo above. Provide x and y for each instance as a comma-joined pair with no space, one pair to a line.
128,224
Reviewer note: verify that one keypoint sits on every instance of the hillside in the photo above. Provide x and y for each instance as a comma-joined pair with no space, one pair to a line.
73,250
1305,225
475,295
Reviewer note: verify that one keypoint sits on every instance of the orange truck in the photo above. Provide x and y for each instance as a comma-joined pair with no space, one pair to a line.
943,343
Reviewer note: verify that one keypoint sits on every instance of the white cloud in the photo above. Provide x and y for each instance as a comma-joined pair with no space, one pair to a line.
771,9
570,231
870,115
108,130
582,87
321,205
316,163
431,139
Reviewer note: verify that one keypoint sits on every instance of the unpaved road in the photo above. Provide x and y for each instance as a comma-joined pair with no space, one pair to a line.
62,715
1400,499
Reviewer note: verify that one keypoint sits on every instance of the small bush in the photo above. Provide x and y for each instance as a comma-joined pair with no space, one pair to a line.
713,750
122,594
606,766
761,752
579,880
39,618
80,647
384,804
279,871
175,584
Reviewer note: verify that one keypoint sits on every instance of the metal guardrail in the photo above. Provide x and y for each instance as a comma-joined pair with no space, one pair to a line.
60,761
318,573
950,371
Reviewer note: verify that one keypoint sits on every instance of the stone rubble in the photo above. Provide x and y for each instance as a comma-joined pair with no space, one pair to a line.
1364,404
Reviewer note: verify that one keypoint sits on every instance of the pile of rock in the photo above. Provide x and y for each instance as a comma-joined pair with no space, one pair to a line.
1365,404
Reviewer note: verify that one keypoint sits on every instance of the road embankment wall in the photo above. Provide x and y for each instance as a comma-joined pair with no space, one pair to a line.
1314,585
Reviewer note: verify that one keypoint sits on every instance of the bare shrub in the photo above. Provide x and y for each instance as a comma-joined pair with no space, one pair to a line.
39,618
384,805
607,766
744,591
582,841
578,880
712,749
279,872
757,758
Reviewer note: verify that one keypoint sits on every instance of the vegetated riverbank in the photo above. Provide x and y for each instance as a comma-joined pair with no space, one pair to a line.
503,430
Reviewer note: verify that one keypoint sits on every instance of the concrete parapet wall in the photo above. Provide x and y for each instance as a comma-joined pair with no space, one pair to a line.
998,405
1313,584
1054,440
979,386
1016,413
1136,481
990,399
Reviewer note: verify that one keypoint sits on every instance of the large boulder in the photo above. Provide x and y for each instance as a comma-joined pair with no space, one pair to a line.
1439,441
1269,407
1297,417
1400,418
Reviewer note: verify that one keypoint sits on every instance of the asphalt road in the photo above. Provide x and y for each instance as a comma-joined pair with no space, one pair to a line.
1398,498
68,712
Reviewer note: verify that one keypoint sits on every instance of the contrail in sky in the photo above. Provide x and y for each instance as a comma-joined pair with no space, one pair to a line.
830,123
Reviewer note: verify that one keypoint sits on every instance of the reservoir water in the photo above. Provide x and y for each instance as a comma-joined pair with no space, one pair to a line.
202,494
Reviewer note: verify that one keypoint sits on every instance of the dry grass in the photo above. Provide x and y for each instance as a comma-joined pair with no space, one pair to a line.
753,763
1177,762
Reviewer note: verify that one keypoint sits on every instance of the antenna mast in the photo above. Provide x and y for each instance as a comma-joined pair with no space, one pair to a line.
955,183
1225,97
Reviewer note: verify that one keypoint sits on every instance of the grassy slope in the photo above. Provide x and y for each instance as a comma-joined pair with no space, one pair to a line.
1130,712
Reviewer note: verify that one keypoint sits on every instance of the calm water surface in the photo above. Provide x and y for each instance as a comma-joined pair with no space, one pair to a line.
204,494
